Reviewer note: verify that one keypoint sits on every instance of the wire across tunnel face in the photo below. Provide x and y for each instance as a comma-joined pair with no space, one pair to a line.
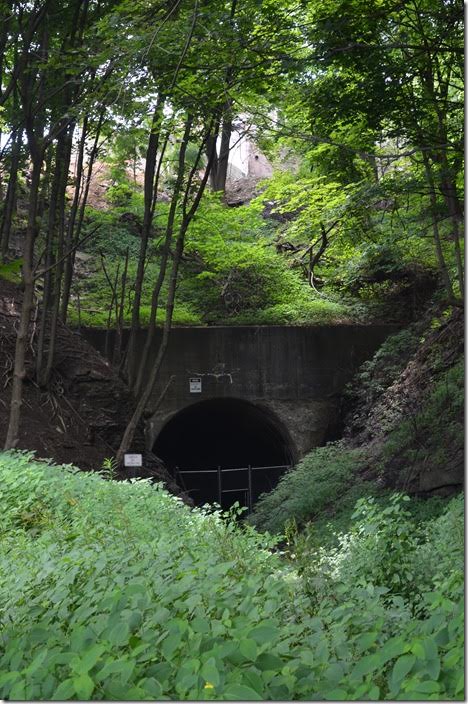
230,434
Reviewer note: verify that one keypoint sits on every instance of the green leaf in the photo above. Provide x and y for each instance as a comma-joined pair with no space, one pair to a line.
264,634
268,661
430,649
366,640
65,690
401,668
119,634
209,671
427,687
367,664
248,648
121,667
418,650
83,685
170,645
254,680
334,673
152,686
240,692
392,648
37,662
336,695
442,637
433,668
200,625
88,659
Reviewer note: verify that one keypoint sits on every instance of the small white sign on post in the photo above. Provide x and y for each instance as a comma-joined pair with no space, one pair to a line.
133,460
195,385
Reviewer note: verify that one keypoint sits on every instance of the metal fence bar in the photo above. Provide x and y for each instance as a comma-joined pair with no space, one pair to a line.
198,471
232,491
250,489
274,466
220,486
234,469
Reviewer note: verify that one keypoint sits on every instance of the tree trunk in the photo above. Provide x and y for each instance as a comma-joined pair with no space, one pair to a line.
219,182
81,211
117,353
58,272
10,200
72,217
449,191
137,383
435,229
144,397
19,371
150,198
127,438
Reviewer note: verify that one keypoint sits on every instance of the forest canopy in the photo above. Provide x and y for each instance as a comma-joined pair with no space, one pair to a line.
358,108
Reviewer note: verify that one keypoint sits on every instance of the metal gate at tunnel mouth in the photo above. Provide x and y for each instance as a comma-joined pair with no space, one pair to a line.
219,471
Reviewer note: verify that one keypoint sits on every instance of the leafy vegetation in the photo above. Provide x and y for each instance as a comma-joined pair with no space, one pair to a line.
231,272
119,591
432,435
312,487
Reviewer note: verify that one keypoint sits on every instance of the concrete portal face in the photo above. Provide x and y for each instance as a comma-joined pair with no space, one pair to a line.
295,374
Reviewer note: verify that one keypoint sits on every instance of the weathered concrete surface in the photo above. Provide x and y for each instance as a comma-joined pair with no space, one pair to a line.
295,373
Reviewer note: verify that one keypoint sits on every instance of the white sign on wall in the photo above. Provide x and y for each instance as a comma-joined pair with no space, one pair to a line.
133,460
195,385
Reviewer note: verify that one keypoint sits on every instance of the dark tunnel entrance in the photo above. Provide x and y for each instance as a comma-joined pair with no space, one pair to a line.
229,434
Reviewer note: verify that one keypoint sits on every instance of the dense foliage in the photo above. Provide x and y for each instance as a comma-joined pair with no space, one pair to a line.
119,591
306,492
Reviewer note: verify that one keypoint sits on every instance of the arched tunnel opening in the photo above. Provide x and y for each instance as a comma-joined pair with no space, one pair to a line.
226,449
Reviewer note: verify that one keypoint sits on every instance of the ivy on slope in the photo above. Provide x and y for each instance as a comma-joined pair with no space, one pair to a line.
119,591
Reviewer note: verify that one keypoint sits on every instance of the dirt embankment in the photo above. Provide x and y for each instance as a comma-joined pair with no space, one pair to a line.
80,417
405,407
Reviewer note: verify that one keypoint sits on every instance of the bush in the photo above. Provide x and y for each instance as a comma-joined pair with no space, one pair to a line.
306,492
118,591
299,312
378,373
411,570
430,437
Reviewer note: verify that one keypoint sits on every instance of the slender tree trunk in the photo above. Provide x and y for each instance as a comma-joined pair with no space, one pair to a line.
58,269
50,237
10,200
76,226
45,186
435,229
449,191
187,218
219,182
163,264
150,197
144,397
79,168
117,354
19,371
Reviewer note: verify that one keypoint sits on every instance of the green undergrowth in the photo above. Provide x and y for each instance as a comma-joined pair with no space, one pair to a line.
118,591
430,437
325,479
11,271
230,273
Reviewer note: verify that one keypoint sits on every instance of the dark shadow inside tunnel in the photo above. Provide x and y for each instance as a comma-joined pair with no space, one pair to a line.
229,434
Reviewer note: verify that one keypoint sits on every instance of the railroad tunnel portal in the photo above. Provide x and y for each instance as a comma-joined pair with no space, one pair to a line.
225,450
267,393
